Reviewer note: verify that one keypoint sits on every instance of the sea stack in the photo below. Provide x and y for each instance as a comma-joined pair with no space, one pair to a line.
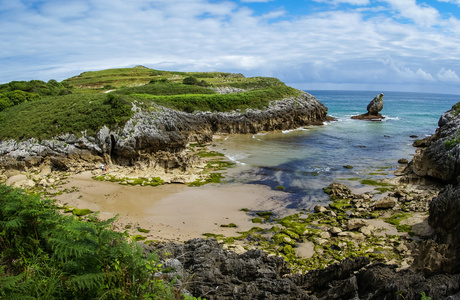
373,109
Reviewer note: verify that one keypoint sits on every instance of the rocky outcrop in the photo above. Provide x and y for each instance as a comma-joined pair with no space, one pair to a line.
203,269
443,254
373,109
439,155
157,137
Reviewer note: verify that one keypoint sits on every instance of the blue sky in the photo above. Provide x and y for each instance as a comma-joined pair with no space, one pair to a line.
386,45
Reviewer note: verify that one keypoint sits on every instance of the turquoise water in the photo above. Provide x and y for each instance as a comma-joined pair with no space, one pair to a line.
304,161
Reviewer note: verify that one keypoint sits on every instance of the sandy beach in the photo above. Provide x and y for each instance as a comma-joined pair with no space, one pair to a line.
173,212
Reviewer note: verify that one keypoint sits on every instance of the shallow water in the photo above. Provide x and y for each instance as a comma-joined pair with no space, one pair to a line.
305,160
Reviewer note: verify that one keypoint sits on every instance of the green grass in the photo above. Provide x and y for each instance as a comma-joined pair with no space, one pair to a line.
52,116
255,99
51,111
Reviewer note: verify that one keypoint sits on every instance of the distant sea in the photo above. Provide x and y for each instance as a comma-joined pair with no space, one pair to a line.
303,161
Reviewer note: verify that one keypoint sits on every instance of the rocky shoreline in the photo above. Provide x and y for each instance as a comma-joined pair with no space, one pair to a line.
354,257
156,137
421,265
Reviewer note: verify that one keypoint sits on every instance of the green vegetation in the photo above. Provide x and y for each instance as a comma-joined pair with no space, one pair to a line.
154,181
453,142
211,178
78,104
396,220
47,255
456,109
212,102
52,116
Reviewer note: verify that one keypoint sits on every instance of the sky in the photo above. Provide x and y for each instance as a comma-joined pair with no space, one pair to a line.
384,45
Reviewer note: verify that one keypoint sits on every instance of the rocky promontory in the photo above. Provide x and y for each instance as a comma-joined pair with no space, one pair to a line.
438,156
157,137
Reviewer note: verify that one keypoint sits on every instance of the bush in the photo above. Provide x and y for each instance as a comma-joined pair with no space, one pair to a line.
48,255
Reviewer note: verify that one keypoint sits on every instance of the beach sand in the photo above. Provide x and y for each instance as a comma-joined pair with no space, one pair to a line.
173,212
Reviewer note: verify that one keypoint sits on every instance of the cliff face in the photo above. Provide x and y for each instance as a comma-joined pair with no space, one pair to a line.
441,157
158,136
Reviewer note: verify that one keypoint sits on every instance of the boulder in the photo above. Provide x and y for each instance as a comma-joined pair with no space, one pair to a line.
375,106
384,203
373,109
356,224
439,156
443,254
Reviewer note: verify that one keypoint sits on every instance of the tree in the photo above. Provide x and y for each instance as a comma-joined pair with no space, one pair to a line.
190,81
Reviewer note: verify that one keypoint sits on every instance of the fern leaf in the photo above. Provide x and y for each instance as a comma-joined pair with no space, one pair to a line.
87,281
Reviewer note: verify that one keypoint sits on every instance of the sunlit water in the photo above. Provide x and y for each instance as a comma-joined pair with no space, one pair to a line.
304,161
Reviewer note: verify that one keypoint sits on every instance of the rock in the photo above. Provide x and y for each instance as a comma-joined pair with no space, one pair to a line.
339,191
403,161
376,105
367,230
335,230
157,137
319,208
443,254
325,235
373,109
384,203
356,224
441,157
210,271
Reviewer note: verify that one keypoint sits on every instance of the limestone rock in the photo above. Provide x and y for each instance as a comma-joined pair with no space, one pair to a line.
373,109
157,137
356,224
384,203
376,105
441,157
320,208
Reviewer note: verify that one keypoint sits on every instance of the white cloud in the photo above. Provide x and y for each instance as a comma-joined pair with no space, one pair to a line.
356,46
451,1
255,1
448,76
423,14
352,2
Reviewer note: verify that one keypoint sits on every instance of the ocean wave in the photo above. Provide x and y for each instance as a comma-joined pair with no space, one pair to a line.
237,157
296,129
390,118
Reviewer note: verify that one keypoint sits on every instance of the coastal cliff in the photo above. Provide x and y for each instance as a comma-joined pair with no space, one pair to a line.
438,156
157,136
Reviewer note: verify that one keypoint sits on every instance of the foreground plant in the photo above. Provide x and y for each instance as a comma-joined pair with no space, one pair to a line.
44,254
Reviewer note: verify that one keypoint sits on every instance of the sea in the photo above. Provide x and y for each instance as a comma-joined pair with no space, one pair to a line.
301,162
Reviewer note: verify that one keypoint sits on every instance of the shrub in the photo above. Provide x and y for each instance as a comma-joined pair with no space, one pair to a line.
44,254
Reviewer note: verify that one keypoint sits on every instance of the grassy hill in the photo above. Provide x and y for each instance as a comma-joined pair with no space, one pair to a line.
97,98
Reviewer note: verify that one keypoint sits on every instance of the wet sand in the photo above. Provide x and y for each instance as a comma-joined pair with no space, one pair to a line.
174,212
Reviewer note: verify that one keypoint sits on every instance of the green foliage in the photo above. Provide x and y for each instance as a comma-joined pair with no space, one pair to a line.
44,254
52,116
231,225
450,144
255,99
165,89
456,109
396,220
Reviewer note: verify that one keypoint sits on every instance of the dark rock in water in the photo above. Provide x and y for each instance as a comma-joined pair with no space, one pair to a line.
403,161
206,270
373,109
376,105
